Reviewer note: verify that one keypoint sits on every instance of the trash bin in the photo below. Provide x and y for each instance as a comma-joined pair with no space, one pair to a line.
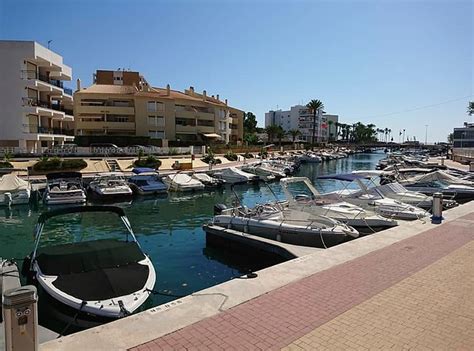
21,318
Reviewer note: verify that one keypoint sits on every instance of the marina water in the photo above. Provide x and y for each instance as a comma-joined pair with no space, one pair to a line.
169,231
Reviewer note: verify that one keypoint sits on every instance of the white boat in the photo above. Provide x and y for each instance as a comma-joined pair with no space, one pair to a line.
374,201
286,225
208,181
14,190
64,188
303,196
147,181
182,182
106,278
310,158
234,175
110,185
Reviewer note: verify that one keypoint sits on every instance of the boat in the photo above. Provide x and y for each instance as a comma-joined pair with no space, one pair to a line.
451,187
208,181
14,190
265,171
64,188
310,158
106,278
147,181
110,185
275,222
374,200
301,195
397,191
182,182
234,175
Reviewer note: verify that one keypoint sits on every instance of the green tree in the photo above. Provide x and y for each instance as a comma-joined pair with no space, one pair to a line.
272,131
314,105
450,138
251,139
470,108
294,133
250,123
280,134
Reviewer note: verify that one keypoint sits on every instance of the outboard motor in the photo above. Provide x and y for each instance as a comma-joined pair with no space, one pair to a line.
218,208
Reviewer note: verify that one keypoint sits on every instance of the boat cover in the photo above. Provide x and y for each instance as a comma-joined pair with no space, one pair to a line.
95,270
349,177
139,170
441,176
10,182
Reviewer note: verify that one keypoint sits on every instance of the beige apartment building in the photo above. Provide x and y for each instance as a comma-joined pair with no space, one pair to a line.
122,103
36,108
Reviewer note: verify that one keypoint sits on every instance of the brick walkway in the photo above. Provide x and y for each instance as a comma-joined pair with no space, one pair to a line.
291,314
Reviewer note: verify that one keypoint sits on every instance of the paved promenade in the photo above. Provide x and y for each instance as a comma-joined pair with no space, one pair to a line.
417,293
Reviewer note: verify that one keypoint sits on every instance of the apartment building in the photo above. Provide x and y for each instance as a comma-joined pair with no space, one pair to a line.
301,118
122,103
37,109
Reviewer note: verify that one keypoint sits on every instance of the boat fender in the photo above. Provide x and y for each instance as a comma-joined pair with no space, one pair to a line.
250,275
218,208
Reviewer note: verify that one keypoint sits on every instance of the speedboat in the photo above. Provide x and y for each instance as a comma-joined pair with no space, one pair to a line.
104,278
310,158
264,170
14,190
182,182
301,195
147,181
439,181
208,181
398,192
234,175
64,188
110,185
272,221
374,200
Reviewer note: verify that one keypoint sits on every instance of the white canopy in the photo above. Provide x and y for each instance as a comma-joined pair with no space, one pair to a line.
10,182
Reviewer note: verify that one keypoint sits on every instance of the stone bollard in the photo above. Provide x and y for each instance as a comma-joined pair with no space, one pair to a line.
437,209
21,318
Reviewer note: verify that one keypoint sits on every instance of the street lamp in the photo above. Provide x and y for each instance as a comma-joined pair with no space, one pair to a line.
426,134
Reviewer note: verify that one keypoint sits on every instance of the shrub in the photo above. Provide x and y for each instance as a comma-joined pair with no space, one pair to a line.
149,162
263,154
172,151
210,159
56,164
231,156
248,155
5,164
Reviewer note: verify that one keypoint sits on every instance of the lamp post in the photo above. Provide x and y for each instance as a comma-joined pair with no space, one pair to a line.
426,134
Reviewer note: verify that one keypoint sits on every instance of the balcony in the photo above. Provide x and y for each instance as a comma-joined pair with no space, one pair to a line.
46,104
33,128
114,110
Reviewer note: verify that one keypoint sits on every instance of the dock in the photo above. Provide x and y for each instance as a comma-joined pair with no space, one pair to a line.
406,287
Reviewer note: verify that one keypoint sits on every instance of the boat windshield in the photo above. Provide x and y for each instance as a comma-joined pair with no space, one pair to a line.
82,227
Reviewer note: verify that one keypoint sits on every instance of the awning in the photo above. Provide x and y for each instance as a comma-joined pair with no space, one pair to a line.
212,135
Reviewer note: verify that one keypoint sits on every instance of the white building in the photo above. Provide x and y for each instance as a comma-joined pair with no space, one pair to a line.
301,118
36,109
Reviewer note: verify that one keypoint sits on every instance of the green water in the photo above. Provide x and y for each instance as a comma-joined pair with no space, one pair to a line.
169,230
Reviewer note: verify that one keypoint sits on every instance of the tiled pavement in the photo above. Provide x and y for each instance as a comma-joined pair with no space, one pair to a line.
376,290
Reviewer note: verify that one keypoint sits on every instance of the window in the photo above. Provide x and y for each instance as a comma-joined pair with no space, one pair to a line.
154,106
205,123
185,122
186,137
156,134
157,121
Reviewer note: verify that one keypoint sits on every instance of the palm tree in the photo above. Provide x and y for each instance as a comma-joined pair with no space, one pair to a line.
390,134
337,129
294,133
386,134
280,134
470,108
272,131
314,105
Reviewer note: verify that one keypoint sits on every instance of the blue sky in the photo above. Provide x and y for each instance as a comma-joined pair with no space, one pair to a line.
370,61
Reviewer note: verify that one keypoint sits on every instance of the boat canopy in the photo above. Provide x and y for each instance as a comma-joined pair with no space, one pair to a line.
75,209
63,175
349,177
10,182
140,170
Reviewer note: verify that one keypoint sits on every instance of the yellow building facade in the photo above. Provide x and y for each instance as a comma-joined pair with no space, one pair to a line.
122,103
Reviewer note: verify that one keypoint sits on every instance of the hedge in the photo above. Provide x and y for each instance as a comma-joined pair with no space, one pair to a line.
56,164
5,164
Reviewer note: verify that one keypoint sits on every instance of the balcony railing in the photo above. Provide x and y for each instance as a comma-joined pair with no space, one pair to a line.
46,104
68,91
57,131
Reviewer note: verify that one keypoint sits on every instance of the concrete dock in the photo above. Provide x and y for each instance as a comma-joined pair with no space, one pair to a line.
411,286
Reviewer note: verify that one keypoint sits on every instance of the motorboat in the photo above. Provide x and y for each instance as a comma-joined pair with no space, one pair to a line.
182,182
398,192
208,181
105,278
14,190
275,222
147,181
310,158
259,172
374,200
234,175
439,181
110,185
64,188
301,195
